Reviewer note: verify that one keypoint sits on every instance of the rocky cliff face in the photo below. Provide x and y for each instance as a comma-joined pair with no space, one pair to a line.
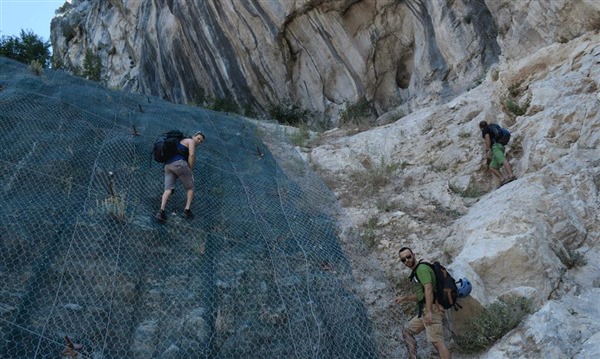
318,54
535,237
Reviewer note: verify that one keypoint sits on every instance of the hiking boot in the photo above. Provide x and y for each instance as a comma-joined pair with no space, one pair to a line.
187,214
161,216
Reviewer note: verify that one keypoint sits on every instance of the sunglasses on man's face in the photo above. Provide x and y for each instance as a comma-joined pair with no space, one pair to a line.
404,259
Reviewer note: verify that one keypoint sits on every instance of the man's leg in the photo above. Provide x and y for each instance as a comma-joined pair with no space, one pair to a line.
161,216
186,177
413,327
497,174
165,197
442,350
435,333
411,343
189,197
508,169
497,160
170,179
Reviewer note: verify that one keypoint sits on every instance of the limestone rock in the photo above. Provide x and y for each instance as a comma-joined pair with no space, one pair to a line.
526,26
320,54
559,329
531,237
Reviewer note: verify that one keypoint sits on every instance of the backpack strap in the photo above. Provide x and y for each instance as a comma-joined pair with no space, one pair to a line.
413,275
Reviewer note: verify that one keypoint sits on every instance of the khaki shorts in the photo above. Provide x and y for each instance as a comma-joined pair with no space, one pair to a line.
178,170
435,331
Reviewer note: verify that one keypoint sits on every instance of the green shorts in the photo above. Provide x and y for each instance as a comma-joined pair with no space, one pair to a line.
497,156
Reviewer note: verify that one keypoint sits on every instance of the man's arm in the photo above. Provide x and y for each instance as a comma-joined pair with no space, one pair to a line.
488,142
488,152
192,152
428,296
406,298
428,301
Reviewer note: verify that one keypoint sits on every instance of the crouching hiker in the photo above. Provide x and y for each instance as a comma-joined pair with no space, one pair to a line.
431,314
496,138
179,165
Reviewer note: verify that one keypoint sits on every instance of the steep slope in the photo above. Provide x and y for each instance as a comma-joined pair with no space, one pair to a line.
258,273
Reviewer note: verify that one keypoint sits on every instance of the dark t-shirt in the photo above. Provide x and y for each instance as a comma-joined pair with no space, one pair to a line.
488,130
182,154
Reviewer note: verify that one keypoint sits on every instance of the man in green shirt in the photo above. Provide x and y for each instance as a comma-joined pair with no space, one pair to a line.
433,314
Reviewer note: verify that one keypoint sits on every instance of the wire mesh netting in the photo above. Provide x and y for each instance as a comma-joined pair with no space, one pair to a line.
86,271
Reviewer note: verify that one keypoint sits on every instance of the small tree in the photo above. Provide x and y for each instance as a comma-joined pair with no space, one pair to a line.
225,104
356,113
92,66
289,113
26,48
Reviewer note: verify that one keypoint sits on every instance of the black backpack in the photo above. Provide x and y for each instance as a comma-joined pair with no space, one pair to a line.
165,146
500,135
445,291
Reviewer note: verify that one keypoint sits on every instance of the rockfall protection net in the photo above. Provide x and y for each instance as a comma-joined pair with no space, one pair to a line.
86,271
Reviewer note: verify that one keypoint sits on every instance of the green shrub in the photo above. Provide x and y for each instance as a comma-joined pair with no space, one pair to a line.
289,114
464,134
571,259
76,70
198,97
115,206
515,89
224,104
472,191
368,236
383,205
374,177
577,260
513,107
301,135
493,323
36,67
249,111
356,113
92,66
26,48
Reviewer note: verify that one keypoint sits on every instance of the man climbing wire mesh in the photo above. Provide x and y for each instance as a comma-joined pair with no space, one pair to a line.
181,166
431,314
494,137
